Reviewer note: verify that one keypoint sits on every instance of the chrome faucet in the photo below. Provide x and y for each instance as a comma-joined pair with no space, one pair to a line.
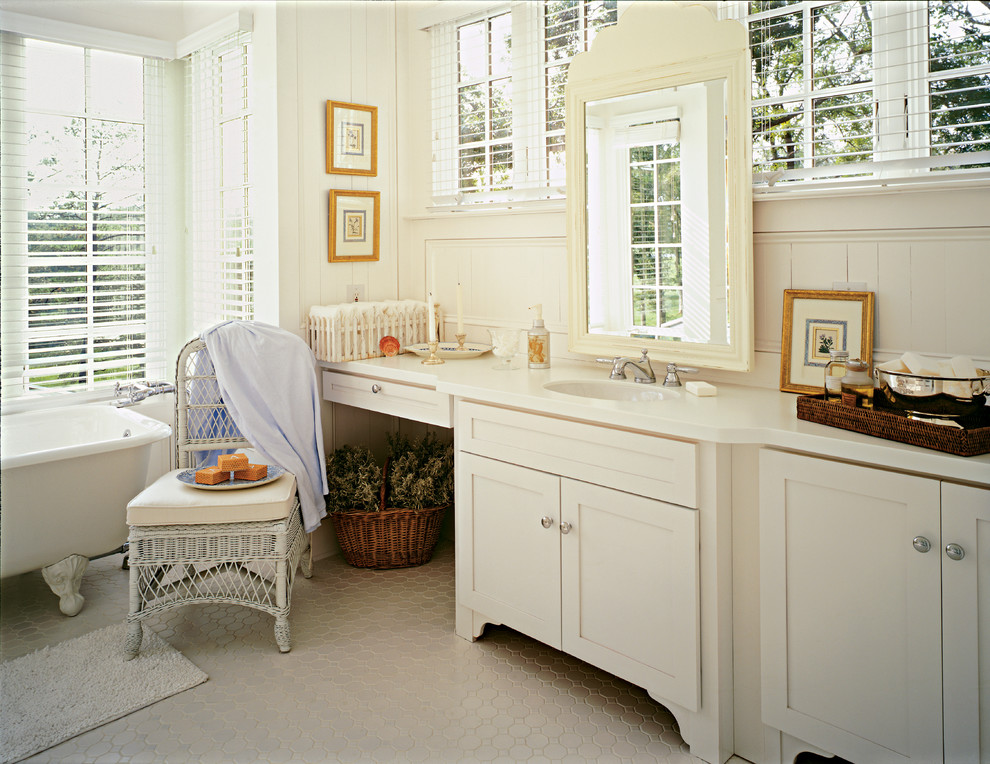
137,391
642,370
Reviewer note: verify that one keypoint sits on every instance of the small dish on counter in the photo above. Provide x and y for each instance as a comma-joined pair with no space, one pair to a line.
389,346
451,351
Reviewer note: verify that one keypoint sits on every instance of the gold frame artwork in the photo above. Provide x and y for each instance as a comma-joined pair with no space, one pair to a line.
350,238
352,139
816,321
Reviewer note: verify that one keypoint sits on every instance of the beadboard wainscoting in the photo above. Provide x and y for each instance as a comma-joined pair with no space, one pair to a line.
501,279
930,284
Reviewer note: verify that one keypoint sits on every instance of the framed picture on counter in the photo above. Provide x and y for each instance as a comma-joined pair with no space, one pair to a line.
352,139
815,323
354,221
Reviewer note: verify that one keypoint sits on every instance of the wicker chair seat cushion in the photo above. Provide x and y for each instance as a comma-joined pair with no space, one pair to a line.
169,502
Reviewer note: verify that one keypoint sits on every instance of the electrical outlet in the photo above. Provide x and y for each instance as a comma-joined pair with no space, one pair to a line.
355,292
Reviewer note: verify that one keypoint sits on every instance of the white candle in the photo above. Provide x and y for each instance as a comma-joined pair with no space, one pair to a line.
460,309
433,319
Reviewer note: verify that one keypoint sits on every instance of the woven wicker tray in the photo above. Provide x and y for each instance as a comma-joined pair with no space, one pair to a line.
889,425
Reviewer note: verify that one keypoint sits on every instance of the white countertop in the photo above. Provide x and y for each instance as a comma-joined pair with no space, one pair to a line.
737,414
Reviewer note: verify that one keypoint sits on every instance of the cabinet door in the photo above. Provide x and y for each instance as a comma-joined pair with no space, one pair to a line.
508,547
966,622
630,588
850,610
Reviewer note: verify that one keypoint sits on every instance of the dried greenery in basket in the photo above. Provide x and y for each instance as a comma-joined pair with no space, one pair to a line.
354,479
420,472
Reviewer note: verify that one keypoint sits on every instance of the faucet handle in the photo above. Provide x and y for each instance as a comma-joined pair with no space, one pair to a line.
672,380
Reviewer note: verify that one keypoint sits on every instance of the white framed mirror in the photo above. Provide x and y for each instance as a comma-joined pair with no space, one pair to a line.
659,193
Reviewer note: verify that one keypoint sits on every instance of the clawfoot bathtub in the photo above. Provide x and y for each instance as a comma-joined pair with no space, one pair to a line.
67,475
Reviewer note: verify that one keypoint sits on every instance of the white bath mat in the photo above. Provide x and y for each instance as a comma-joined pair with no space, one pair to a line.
59,692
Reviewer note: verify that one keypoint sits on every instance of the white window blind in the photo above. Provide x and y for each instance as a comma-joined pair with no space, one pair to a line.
81,218
862,92
498,98
219,181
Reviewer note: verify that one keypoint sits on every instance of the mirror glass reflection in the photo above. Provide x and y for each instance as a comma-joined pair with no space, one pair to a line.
656,222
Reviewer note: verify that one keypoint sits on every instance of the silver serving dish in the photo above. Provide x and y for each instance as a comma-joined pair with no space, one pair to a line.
925,397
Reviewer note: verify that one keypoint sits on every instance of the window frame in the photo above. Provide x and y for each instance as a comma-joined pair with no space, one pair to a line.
531,178
149,359
900,94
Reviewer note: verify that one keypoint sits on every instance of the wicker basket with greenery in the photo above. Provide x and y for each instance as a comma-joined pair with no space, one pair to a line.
391,517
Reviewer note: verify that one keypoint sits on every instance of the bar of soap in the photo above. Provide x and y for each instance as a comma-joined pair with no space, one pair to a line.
917,364
232,462
701,389
211,476
893,365
252,472
963,366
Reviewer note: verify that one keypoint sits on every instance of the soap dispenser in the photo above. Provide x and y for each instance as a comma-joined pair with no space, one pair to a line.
539,342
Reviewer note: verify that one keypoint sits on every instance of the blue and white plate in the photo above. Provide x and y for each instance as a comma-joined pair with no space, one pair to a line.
189,478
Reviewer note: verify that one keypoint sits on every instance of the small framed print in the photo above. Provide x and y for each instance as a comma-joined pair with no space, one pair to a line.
815,323
352,139
354,220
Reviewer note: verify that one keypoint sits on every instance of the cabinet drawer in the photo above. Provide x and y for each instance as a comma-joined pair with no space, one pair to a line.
660,468
421,404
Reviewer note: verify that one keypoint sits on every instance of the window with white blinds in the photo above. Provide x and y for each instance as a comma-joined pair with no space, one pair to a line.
862,92
219,181
81,225
498,98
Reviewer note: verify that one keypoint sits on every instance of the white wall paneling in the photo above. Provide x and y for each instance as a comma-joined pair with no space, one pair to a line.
501,279
815,263
929,284
343,52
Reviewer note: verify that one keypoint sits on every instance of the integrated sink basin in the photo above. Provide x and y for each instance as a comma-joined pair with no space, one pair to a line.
607,390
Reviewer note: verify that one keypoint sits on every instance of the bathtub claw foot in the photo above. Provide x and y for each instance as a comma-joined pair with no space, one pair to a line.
64,578
132,645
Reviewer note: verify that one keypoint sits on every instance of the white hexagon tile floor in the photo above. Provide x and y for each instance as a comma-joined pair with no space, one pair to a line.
376,674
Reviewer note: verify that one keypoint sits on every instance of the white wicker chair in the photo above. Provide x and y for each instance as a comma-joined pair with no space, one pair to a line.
189,545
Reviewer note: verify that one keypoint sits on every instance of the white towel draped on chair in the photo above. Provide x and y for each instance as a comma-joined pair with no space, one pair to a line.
267,377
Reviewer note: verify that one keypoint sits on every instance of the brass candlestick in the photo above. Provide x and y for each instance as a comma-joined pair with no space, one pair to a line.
433,360
460,340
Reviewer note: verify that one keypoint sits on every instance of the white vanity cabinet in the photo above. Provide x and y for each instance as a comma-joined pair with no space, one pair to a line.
870,626
606,575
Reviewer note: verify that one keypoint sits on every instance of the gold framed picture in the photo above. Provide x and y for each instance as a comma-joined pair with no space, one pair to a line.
815,323
354,221
352,138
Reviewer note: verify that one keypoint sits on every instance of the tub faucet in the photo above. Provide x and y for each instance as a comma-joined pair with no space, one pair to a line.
641,369
136,392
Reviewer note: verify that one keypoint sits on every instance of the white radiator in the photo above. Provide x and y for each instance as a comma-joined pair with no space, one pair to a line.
352,330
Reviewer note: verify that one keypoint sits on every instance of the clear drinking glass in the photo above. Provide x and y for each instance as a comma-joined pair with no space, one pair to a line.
505,342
